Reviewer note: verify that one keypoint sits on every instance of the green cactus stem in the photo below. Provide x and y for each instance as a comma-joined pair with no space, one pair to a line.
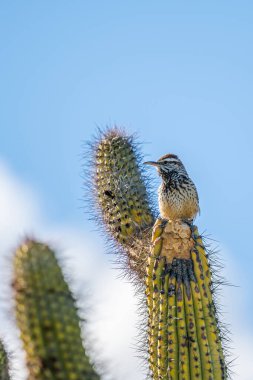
47,317
183,331
4,363
120,193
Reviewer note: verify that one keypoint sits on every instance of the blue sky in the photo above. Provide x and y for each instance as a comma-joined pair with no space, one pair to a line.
179,74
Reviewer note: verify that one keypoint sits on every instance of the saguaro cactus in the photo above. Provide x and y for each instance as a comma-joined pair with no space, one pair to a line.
47,316
183,332
120,194
184,337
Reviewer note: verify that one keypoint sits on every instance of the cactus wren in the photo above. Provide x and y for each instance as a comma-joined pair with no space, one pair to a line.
178,197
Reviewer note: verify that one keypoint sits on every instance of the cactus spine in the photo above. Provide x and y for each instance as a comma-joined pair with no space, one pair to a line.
183,332
47,317
4,365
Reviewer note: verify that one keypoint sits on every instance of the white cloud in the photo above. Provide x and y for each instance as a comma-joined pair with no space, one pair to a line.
112,312
242,366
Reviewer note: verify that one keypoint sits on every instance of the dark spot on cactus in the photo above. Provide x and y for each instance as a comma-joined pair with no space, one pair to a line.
171,290
197,257
191,325
109,194
49,362
179,294
156,263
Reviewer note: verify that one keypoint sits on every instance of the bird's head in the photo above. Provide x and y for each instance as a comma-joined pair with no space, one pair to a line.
167,164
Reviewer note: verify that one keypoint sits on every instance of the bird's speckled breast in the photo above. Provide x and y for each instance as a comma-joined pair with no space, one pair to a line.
175,204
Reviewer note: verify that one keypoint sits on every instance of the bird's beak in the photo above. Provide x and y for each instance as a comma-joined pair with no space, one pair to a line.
153,163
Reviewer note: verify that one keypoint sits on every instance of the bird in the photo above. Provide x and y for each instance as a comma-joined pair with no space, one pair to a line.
177,195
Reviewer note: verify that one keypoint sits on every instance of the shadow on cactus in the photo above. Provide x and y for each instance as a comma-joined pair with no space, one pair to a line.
183,336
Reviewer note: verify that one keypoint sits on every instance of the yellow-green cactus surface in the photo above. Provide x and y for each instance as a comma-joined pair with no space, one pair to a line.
4,366
120,187
47,317
183,334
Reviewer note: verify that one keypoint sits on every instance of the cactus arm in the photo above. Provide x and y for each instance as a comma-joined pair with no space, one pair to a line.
47,317
120,201
121,192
